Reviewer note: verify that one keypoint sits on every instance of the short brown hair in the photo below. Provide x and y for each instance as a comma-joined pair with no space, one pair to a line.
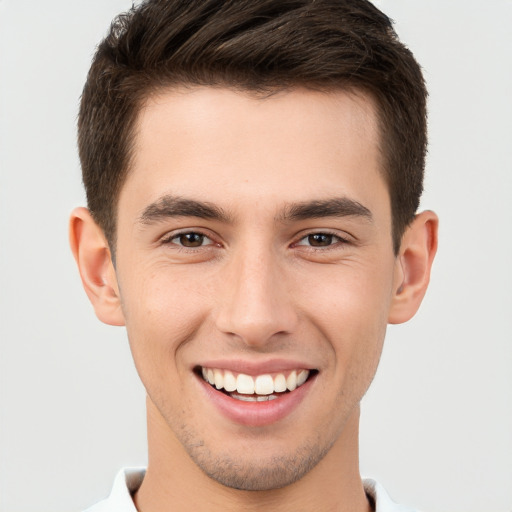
252,45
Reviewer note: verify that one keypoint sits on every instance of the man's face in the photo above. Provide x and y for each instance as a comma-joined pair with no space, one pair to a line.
254,238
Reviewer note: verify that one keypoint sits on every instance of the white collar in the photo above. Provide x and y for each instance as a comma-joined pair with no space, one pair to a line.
380,497
128,480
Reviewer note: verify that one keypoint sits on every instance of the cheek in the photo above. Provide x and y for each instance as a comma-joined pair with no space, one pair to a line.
349,305
163,309
161,297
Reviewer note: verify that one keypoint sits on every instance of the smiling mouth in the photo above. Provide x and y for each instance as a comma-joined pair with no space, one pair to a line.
259,388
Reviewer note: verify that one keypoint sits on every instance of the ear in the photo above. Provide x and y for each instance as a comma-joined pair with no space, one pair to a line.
92,254
413,264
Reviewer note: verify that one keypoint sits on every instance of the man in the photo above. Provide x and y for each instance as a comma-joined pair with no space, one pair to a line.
253,171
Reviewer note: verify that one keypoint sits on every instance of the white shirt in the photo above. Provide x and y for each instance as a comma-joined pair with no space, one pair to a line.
128,480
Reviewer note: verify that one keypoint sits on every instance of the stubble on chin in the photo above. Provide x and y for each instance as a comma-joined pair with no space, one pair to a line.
253,472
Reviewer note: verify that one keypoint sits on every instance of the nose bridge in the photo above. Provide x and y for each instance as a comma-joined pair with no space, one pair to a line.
255,304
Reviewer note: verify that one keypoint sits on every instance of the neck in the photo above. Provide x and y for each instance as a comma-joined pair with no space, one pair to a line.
174,482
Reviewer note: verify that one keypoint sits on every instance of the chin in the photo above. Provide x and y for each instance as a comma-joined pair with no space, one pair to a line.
257,474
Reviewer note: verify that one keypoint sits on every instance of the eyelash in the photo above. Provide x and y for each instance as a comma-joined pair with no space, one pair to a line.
169,240
336,241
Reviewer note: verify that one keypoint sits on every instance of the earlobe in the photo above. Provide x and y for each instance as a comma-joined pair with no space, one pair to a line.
413,265
92,255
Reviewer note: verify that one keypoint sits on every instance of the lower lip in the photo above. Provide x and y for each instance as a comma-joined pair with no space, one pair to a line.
256,414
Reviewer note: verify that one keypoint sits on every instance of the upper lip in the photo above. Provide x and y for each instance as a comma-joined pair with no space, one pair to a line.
256,367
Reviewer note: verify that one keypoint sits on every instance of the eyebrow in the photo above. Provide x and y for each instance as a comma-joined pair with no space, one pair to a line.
175,206
335,207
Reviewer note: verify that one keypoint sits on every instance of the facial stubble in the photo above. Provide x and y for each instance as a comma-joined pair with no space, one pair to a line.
255,473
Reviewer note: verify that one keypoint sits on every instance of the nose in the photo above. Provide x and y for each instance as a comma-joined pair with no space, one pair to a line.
255,303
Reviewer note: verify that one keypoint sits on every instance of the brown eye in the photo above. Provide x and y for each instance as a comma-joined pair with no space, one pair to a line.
191,240
320,239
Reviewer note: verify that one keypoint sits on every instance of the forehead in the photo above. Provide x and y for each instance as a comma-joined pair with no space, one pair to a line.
222,145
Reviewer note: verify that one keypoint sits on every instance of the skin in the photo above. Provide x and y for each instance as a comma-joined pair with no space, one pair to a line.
257,288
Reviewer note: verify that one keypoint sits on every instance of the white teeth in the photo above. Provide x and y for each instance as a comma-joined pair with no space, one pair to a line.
253,398
280,383
219,379
246,398
302,377
229,382
291,381
263,385
245,384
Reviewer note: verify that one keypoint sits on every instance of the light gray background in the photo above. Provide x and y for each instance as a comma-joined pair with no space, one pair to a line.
436,426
